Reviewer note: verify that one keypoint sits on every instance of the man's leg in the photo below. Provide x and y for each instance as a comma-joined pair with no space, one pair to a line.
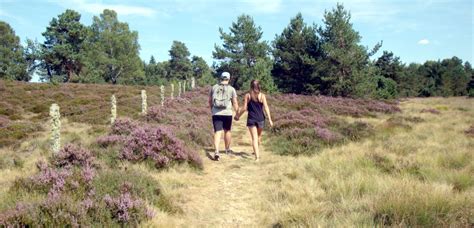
217,140
227,139
227,134
218,127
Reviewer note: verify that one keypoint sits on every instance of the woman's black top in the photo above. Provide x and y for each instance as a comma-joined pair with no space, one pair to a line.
255,111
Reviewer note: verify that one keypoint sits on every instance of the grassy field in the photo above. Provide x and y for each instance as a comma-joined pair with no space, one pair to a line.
327,162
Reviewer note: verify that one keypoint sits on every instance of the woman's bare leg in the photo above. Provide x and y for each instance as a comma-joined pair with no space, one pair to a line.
259,131
254,135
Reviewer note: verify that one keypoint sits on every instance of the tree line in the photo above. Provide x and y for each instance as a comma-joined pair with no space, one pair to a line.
325,59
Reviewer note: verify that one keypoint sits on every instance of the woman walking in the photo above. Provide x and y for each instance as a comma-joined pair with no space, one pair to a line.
255,103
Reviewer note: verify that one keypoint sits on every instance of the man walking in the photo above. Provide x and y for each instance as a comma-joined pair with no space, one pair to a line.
222,98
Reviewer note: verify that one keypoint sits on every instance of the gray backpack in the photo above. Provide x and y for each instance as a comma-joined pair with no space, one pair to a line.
220,97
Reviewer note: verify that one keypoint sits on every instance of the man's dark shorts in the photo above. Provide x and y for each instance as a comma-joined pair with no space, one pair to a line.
222,123
258,124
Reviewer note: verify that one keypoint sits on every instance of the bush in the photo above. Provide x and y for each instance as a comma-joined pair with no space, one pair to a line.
125,208
72,155
72,193
123,126
159,145
141,185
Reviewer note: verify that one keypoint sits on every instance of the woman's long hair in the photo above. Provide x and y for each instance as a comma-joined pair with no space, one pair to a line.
255,88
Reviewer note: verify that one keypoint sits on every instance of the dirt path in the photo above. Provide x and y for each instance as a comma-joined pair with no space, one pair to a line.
228,192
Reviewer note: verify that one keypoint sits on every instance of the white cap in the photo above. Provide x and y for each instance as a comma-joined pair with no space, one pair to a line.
225,75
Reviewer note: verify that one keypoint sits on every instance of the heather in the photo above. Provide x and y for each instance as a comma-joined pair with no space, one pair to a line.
139,142
365,163
69,190
25,105
307,124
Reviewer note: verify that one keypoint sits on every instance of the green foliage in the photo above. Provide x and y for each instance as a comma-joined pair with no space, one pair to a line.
113,51
155,73
343,53
390,66
180,67
202,72
370,84
409,84
470,85
454,77
241,49
12,64
61,50
296,54
260,71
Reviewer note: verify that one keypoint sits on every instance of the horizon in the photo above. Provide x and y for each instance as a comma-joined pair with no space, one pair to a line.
412,35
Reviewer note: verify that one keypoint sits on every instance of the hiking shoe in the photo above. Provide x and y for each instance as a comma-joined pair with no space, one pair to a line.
216,156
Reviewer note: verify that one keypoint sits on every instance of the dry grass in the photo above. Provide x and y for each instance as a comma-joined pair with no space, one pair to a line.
416,170
422,175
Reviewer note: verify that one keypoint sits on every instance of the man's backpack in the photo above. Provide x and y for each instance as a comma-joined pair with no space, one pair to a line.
220,97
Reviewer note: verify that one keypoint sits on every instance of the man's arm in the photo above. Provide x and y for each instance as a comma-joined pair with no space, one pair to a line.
210,99
235,103
243,108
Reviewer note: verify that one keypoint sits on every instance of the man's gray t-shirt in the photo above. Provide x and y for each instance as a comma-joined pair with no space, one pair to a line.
227,111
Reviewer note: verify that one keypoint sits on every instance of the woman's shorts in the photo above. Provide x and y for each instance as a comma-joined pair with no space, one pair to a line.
258,124
222,123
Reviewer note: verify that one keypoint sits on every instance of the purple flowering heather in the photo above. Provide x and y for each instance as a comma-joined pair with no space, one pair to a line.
108,140
126,208
48,176
327,135
71,155
123,126
88,174
158,144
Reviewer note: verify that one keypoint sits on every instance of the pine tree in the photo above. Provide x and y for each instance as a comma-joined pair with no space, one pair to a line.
61,51
201,71
179,64
390,66
12,64
241,49
296,52
114,50
343,54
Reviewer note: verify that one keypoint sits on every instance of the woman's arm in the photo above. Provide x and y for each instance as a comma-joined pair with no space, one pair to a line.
267,110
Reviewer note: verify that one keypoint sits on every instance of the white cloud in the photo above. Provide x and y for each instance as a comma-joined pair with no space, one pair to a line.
423,42
97,8
18,19
265,6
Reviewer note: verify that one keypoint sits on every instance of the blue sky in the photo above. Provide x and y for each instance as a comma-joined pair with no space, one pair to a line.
415,30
